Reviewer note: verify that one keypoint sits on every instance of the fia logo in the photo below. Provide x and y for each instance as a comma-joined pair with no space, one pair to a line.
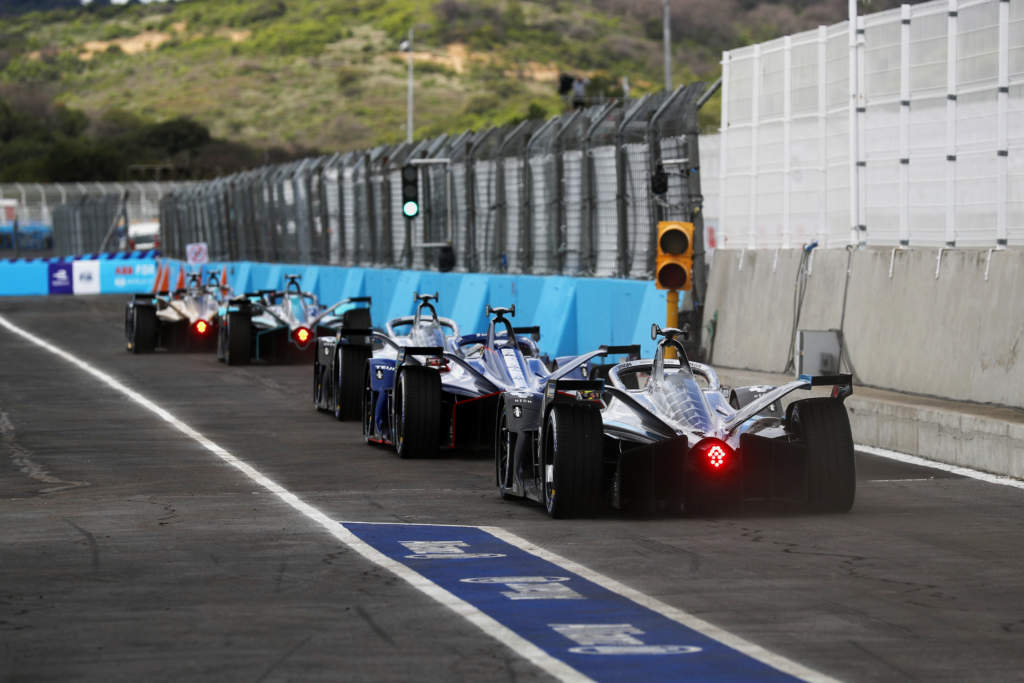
517,412
380,374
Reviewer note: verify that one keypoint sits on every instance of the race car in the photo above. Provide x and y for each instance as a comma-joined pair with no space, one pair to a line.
428,398
661,436
339,368
274,325
182,320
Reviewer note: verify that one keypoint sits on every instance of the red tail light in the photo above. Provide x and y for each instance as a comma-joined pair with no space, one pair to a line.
714,454
440,363
202,326
302,335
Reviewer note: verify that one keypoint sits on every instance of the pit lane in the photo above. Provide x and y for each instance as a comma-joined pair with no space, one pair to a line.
147,558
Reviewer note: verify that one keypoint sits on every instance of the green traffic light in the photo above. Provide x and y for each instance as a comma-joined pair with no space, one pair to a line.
410,209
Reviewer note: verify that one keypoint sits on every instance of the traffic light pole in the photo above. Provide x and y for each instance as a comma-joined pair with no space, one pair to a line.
671,318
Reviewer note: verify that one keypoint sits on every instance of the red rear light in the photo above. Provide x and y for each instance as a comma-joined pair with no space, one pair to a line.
714,454
202,326
302,335
440,363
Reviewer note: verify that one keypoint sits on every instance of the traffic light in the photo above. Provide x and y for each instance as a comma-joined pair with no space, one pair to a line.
674,266
410,191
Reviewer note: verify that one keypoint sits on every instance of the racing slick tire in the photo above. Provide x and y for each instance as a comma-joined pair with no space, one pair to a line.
824,426
504,452
143,329
572,470
417,419
349,379
238,335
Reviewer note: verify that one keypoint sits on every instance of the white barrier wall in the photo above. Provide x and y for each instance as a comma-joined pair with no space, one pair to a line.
940,121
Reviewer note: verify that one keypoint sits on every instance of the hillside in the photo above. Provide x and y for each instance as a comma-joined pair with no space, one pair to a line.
298,75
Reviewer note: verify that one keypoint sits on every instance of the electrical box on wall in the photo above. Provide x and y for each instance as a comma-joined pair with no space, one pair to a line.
817,352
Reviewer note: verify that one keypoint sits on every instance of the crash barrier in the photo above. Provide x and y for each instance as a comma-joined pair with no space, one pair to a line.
110,273
569,196
77,216
937,122
946,323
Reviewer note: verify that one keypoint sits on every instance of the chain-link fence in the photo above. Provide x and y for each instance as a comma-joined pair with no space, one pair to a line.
570,195
80,215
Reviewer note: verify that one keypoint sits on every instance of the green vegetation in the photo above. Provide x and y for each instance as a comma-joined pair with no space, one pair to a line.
268,79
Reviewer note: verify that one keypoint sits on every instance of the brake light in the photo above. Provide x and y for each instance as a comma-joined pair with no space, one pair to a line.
714,454
202,326
302,335
437,362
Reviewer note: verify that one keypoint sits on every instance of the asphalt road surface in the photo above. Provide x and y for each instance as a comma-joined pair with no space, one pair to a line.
128,551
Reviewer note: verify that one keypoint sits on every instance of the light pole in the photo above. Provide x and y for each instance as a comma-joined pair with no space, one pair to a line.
406,46
668,47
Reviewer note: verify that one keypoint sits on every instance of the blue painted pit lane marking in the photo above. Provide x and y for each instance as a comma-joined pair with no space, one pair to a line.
597,631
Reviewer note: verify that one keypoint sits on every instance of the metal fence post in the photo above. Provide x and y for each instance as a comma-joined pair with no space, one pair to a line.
1002,143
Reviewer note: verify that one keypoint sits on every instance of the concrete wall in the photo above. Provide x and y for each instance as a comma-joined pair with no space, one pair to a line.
958,336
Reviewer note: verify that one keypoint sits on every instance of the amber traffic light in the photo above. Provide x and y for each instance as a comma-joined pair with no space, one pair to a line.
674,264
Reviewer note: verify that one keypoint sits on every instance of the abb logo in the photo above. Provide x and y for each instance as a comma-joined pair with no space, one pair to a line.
123,270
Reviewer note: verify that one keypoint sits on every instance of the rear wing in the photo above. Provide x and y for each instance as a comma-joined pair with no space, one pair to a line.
843,388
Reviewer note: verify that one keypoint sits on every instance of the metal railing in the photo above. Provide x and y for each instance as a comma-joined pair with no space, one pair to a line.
569,195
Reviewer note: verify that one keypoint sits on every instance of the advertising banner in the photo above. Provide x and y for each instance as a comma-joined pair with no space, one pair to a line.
86,277
128,277
60,278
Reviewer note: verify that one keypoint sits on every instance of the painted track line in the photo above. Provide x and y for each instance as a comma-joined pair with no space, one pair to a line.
491,627
485,623
986,477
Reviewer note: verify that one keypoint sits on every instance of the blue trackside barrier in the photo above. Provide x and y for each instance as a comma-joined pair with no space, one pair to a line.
575,314
107,273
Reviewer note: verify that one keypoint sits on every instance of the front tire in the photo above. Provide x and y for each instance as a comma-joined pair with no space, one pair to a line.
824,426
417,412
572,466
504,456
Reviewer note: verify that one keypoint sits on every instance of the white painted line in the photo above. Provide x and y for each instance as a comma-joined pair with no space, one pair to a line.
935,465
488,625
897,481
685,618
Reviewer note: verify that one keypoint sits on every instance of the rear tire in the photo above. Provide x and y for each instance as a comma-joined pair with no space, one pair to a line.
143,332
824,427
348,388
417,412
239,337
572,466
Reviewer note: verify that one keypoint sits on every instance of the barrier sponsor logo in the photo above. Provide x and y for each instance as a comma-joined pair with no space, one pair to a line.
86,277
127,277
60,278
593,629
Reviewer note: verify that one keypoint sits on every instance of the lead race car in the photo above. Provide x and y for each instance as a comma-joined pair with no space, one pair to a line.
274,325
182,320
663,436
432,397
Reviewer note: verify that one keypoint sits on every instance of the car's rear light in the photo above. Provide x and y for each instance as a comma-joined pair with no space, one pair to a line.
437,362
302,335
714,454
201,327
